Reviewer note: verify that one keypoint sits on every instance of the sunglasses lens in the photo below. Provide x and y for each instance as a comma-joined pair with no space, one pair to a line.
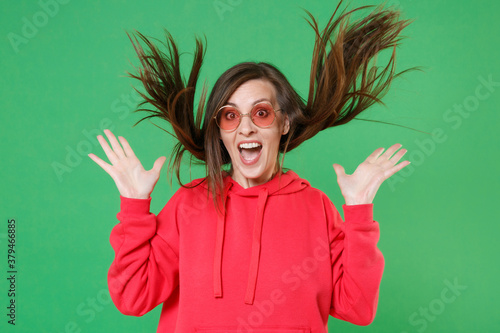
228,118
263,115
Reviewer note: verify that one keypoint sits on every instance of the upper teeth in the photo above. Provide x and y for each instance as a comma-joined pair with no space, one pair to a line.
250,145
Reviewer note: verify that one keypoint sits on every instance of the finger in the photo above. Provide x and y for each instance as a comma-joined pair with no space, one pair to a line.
159,164
388,153
396,168
107,150
373,156
108,168
394,159
114,143
339,170
126,147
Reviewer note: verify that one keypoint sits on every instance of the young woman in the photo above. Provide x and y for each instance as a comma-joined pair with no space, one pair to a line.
249,247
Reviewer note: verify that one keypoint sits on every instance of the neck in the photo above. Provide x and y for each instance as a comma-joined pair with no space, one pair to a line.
250,182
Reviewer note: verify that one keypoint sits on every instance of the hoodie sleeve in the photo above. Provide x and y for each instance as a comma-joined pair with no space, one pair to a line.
357,263
145,269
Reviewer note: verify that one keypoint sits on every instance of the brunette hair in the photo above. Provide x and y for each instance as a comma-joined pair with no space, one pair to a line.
342,84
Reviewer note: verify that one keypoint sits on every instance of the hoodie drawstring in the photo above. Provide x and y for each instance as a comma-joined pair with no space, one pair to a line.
256,241
255,252
218,255
219,242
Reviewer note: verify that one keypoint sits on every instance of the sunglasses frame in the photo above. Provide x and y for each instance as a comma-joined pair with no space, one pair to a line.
249,114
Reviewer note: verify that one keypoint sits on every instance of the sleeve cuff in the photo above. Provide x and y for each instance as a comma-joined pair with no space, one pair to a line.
358,213
134,206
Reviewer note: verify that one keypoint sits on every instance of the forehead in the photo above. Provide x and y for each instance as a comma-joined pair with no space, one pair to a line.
253,91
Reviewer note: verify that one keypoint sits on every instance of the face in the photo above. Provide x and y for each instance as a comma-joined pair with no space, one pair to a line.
254,150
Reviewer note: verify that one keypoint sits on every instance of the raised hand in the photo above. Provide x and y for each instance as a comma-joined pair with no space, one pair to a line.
362,185
132,180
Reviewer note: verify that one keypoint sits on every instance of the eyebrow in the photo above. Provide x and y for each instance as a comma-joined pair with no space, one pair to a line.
255,102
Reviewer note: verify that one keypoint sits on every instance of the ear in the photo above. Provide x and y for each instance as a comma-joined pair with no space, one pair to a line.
286,126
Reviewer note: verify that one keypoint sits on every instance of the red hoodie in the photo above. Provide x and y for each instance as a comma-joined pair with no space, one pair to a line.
279,260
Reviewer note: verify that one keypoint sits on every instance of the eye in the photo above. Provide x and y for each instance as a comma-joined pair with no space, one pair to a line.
230,115
261,112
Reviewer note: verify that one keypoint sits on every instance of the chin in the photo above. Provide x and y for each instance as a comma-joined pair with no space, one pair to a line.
255,174
258,172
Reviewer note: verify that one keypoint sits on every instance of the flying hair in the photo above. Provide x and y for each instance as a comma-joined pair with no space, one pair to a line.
344,81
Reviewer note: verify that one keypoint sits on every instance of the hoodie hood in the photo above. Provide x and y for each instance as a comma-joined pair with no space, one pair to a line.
280,184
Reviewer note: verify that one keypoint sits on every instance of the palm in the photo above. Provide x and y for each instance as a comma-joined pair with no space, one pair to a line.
361,186
130,177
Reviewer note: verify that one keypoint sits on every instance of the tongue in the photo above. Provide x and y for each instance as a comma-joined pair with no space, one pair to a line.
251,153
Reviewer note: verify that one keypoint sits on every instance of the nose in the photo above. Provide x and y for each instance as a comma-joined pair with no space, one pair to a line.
247,126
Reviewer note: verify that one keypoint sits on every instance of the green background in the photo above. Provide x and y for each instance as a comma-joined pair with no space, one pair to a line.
438,216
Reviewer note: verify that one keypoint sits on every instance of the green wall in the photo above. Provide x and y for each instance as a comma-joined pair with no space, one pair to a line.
63,80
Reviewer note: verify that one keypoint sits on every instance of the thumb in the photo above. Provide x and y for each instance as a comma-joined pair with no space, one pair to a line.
339,170
159,164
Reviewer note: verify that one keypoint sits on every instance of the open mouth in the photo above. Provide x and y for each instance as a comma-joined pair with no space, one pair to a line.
250,152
